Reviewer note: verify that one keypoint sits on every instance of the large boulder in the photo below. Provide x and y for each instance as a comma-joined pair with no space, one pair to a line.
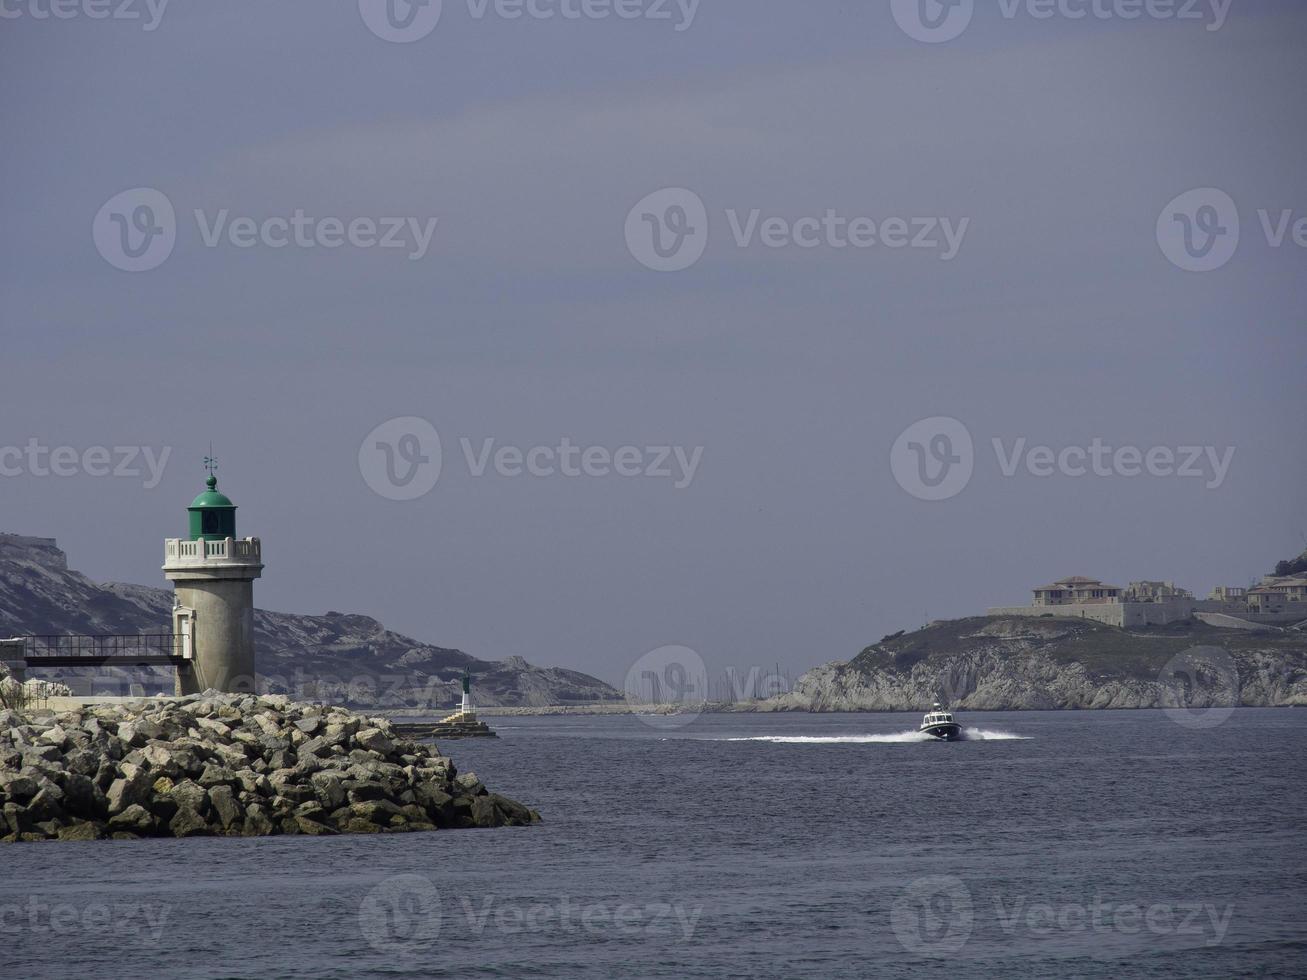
82,830
17,786
188,823
190,795
135,819
83,798
225,808
130,790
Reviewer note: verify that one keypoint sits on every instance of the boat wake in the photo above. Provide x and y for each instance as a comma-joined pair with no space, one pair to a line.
988,735
968,735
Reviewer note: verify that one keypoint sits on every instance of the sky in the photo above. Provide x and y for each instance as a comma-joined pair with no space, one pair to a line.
779,275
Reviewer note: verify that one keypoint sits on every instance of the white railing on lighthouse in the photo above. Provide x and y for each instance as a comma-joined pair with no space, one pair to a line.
180,550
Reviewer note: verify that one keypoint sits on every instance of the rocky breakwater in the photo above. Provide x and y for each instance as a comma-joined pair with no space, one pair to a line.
228,765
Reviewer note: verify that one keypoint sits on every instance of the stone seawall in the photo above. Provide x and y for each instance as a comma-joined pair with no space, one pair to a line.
231,765
1123,614
1131,614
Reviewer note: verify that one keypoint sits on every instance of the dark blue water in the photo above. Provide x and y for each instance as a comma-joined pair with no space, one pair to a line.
1101,844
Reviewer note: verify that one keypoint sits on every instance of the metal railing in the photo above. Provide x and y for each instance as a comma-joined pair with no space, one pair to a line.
102,646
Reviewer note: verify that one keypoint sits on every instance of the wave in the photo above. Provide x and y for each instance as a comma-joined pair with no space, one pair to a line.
987,735
968,735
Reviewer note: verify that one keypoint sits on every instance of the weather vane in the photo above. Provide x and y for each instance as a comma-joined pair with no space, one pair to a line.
211,461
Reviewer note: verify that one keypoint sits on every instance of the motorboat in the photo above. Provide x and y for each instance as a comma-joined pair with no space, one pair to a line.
939,724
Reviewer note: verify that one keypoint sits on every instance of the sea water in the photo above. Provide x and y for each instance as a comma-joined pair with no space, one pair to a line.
1044,844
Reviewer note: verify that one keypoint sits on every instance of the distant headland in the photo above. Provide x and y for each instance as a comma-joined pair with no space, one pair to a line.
1082,643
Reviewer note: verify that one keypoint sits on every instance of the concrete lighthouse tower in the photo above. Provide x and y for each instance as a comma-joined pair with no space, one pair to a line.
213,573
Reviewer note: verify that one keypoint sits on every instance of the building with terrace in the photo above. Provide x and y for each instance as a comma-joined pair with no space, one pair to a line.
1281,599
1279,595
1154,592
1228,593
1074,590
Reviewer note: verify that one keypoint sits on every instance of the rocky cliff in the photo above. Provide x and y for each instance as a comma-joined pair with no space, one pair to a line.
336,657
996,663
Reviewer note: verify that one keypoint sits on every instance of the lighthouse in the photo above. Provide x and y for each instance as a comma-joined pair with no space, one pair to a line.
465,709
463,722
213,574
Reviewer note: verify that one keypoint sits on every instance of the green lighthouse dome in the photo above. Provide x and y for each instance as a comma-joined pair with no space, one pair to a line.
212,514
